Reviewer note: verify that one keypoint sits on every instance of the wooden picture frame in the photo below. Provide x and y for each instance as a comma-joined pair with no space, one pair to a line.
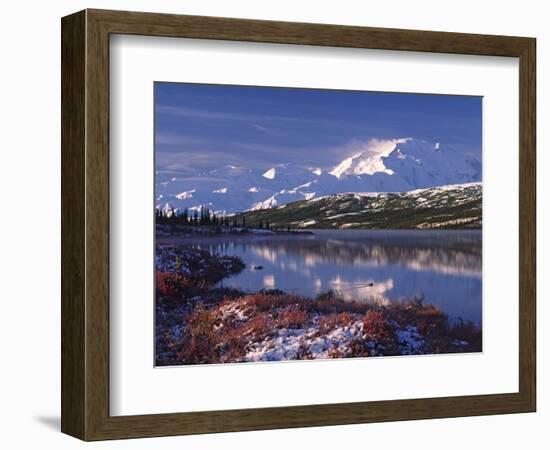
85,224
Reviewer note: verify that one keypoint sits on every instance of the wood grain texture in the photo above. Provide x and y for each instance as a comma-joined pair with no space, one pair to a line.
97,225
73,109
201,27
85,224
527,224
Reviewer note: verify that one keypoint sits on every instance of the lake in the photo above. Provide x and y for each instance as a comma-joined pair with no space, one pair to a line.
444,267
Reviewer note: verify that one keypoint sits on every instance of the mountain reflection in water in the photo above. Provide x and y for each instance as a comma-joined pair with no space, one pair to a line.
373,266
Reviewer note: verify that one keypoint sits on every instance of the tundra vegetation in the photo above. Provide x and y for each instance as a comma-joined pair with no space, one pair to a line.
198,322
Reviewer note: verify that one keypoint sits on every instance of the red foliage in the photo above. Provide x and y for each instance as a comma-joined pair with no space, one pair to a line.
165,283
258,326
224,332
214,336
171,283
376,326
430,324
292,318
264,302
329,322
201,337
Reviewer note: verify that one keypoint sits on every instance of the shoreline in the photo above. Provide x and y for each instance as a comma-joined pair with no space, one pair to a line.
422,238
237,237
199,323
175,231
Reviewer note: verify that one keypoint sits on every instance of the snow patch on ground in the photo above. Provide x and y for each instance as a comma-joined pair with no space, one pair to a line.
305,342
349,225
410,341
343,215
234,310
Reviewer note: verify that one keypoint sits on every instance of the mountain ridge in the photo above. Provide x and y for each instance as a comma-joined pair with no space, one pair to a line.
444,207
396,165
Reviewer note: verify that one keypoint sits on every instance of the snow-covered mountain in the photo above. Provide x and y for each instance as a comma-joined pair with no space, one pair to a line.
388,166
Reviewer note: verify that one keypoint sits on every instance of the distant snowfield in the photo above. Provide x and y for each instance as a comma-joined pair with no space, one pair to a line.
382,166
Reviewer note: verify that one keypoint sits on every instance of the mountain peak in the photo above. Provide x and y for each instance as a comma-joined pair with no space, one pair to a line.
369,160
270,174
342,168
394,165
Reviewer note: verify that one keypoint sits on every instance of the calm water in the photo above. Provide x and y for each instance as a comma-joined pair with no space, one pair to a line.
370,266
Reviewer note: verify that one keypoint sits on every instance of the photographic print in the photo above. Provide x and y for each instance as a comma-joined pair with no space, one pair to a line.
300,224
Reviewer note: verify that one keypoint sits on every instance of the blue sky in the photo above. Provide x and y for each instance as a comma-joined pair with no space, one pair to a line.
200,127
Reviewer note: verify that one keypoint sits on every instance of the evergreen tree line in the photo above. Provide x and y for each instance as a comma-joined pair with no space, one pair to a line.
204,217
